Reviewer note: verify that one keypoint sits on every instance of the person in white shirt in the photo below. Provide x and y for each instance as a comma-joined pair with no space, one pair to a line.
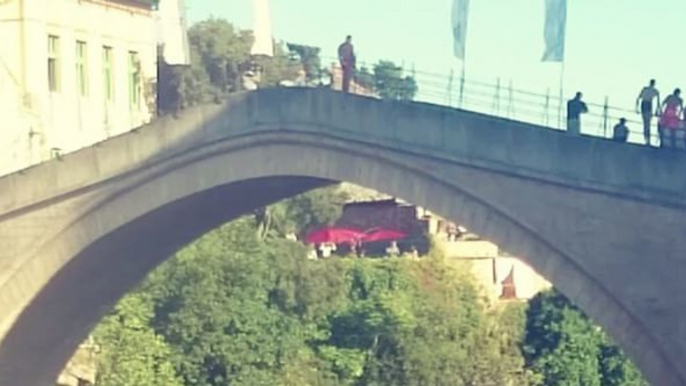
647,109
393,249
327,249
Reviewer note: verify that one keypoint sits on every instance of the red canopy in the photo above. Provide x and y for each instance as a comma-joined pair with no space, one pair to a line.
379,234
334,235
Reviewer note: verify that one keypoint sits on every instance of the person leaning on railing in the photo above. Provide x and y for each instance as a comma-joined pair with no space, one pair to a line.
575,107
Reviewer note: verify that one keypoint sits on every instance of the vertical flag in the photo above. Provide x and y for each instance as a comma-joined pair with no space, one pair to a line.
459,24
555,25
264,43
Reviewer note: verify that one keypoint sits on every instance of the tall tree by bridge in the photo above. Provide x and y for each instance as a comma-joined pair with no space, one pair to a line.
563,347
220,55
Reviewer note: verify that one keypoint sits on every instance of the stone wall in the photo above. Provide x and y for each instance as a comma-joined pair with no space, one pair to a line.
81,369
387,214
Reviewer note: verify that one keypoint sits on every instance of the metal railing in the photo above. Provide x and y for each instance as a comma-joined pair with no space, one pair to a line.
501,99
496,98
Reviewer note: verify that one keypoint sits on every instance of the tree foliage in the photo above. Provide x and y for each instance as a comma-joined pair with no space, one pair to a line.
220,56
234,309
563,347
222,50
302,213
132,353
388,80
239,308
391,83
365,78
308,56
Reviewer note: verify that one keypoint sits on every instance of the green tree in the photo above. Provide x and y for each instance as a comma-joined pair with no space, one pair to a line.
391,83
220,56
388,80
221,49
227,305
419,323
365,78
302,213
563,347
186,86
277,68
235,308
616,369
308,56
132,353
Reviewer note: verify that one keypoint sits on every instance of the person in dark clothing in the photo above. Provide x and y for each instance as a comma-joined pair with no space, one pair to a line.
647,109
346,57
620,133
575,107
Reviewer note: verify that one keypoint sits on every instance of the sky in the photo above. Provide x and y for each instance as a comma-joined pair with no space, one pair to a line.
613,47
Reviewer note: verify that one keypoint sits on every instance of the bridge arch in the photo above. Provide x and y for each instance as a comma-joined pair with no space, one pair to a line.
139,219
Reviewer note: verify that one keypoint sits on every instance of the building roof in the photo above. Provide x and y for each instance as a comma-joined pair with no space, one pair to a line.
387,202
147,4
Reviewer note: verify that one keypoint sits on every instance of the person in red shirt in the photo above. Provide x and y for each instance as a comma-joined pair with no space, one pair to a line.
669,120
346,56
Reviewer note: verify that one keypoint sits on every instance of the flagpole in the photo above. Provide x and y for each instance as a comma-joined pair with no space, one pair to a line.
462,81
449,95
560,101
555,35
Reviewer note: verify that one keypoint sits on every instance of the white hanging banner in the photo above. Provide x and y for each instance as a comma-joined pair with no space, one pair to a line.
459,24
264,43
554,33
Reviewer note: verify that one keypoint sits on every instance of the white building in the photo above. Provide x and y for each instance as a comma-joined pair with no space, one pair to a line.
503,277
72,73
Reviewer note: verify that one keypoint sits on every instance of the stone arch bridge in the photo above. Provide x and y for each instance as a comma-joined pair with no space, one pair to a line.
603,221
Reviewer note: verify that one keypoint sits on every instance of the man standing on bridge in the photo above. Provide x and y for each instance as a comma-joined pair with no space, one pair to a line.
575,107
346,56
645,99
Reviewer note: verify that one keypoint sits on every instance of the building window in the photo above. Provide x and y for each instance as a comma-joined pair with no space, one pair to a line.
54,63
82,68
108,73
134,80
